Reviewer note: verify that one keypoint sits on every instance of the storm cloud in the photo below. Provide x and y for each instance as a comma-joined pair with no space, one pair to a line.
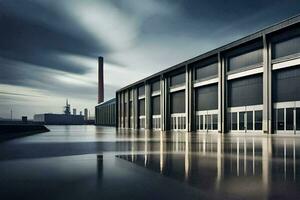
49,48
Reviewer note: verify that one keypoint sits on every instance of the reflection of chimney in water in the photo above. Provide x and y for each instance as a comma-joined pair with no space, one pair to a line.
100,80
100,166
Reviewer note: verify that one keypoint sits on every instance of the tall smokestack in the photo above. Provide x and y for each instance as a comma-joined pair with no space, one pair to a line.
100,80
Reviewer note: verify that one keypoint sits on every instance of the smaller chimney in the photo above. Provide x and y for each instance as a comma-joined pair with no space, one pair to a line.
74,111
100,80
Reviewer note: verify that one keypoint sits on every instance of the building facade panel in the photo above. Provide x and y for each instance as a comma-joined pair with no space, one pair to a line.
178,102
245,91
286,84
207,97
205,69
106,113
250,85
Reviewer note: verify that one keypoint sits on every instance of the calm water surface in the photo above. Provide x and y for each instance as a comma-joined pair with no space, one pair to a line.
88,162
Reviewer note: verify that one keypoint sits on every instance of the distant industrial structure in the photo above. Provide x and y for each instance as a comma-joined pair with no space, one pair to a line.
100,81
61,119
86,114
105,112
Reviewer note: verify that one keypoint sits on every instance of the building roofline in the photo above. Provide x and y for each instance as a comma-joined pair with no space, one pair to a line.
265,31
106,102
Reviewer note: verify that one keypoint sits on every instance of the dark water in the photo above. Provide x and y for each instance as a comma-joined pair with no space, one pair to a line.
67,163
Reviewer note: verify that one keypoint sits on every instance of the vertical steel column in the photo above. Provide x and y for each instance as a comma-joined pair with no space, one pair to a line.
128,111
162,104
267,87
147,105
189,99
222,94
167,104
119,109
123,109
135,108
186,98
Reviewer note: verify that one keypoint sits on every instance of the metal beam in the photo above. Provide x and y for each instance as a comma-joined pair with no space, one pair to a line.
267,98
147,106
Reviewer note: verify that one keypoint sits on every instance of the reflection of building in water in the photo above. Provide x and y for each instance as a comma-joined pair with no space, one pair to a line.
251,85
244,166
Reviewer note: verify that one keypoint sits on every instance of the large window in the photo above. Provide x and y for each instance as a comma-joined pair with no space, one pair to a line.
178,102
206,68
141,90
155,86
286,42
156,105
207,97
245,91
244,60
177,79
289,119
286,84
258,120
142,107
297,119
234,121
245,56
130,109
125,109
249,120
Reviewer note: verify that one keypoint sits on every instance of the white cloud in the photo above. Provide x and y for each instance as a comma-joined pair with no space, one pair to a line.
107,23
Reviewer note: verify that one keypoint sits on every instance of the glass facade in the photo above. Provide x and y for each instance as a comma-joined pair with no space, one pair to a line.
155,86
142,107
198,104
178,102
245,91
177,79
156,105
286,46
206,71
244,60
207,97
245,56
141,90
258,120
245,121
286,84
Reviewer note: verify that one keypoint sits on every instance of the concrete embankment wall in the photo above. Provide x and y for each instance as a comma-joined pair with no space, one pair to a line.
10,131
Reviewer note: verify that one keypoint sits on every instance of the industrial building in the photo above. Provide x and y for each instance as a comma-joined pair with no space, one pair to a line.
60,119
106,113
251,85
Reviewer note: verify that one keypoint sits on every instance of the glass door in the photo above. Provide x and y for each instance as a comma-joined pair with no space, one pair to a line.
242,121
280,119
297,117
207,121
289,117
246,119
249,121
234,121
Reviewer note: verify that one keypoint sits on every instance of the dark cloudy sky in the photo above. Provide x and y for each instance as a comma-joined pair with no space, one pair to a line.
49,48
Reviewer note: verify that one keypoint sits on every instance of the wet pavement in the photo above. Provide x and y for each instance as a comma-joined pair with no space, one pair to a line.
88,162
